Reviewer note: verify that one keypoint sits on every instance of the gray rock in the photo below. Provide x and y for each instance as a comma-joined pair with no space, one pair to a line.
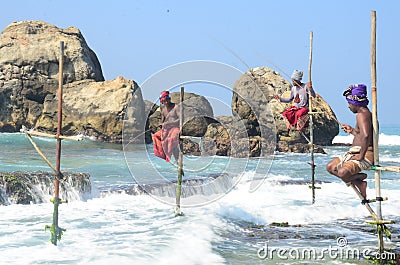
253,102
29,56
198,113
153,113
96,109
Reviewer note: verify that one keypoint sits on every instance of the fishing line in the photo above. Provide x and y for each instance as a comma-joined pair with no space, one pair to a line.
268,61
232,52
279,69
274,65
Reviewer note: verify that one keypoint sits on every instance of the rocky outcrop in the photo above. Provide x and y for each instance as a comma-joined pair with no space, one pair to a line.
198,114
29,69
216,140
257,127
253,102
96,109
152,121
228,137
29,56
36,45
37,187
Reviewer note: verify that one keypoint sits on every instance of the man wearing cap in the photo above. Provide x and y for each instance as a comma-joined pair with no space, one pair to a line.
166,140
296,115
360,156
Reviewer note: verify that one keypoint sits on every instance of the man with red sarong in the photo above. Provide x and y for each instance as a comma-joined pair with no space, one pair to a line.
296,116
166,140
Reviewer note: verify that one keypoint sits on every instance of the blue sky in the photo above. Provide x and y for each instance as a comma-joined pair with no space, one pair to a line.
136,39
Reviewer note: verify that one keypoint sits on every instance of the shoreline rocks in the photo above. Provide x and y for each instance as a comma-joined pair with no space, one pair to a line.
105,110
37,187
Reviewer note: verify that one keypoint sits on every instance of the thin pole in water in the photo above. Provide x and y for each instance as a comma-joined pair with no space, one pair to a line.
180,159
312,164
56,201
375,127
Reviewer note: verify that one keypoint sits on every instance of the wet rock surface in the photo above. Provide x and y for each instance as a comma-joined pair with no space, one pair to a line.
38,186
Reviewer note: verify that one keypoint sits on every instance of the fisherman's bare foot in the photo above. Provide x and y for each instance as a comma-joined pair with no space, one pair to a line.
362,187
360,176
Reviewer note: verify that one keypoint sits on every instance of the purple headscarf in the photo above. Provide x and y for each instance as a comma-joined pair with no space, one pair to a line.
357,95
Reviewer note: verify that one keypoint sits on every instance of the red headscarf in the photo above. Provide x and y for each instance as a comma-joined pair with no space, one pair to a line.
164,95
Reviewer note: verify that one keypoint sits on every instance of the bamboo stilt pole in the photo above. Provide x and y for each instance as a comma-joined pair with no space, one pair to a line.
180,159
375,127
311,124
373,214
56,200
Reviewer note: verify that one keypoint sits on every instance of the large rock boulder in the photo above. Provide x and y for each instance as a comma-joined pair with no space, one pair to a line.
34,48
96,109
228,136
29,72
253,101
152,121
249,104
198,114
29,59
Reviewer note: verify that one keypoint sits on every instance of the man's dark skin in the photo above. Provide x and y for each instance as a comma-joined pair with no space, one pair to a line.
169,114
170,119
363,137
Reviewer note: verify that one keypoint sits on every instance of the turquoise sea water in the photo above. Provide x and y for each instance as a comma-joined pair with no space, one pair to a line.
225,222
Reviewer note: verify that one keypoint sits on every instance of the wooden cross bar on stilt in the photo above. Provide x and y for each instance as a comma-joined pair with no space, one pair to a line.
178,211
42,134
386,168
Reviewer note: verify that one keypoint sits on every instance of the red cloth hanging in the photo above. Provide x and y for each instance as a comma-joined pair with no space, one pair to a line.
295,117
165,141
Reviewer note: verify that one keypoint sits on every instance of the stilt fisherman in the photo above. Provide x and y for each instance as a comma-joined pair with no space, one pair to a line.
360,156
166,140
296,116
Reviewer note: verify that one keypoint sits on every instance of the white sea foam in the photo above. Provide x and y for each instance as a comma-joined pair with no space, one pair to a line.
384,139
292,203
389,139
388,158
126,229
141,230
116,228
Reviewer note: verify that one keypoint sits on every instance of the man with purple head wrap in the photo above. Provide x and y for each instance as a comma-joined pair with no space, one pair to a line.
357,95
360,156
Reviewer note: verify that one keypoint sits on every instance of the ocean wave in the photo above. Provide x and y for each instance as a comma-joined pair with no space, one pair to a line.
384,139
389,159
